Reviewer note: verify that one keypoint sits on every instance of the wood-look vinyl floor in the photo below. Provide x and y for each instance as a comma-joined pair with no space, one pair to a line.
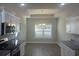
42,49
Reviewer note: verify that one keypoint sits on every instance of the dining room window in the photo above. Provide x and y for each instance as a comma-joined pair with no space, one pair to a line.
43,30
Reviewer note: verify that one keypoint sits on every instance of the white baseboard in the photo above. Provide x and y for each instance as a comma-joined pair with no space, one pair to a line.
44,42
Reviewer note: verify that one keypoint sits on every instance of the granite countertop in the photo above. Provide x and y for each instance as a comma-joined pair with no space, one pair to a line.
74,45
4,52
9,46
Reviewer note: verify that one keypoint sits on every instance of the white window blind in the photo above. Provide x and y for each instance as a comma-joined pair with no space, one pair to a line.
43,30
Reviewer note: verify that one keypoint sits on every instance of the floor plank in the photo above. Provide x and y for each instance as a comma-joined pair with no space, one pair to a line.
42,49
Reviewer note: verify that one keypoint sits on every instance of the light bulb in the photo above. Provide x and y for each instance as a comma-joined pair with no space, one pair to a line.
62,3
22,4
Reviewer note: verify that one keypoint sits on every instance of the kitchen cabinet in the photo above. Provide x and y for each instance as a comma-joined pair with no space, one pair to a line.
68,27
66,51
8,17
77,26
22,49
72,25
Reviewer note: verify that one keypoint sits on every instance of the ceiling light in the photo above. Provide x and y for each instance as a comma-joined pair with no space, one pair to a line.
43,24
62,3
39,24
22,4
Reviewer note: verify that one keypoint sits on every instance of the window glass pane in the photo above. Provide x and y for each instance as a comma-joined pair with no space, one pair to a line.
47,34
38,34
43,31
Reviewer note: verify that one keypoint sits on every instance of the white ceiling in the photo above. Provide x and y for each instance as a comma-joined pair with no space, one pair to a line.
22,11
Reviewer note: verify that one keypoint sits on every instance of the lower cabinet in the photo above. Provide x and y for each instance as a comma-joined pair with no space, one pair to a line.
22,49
66,51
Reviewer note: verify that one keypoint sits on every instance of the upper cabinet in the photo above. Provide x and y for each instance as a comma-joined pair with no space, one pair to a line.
72,25
8,17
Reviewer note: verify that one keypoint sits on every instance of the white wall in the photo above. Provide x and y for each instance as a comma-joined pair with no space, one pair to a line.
31,34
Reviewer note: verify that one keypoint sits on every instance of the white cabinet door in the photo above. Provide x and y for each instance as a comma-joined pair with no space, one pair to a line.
22,49
77,26
68,25
13,20
7,17
73,26
66,51
10,18
68,28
